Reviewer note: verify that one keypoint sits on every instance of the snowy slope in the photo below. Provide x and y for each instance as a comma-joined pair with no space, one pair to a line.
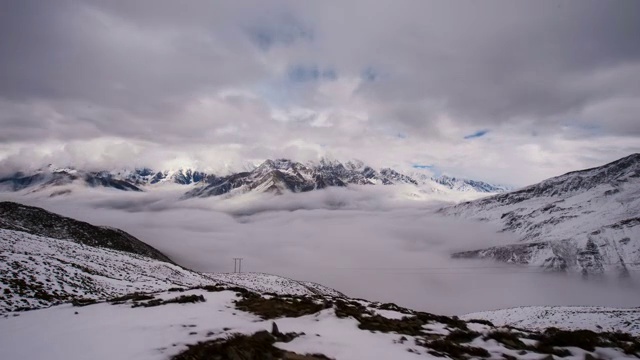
564,317
333,328
587,221
38,272
267,283
37,221
465,185
46,259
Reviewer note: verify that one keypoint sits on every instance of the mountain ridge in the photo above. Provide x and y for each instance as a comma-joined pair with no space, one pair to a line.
585,221
277,176
37,221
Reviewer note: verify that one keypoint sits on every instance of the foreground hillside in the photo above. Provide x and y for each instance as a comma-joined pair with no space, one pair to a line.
47,259
586,221
37,272
37,221
219,322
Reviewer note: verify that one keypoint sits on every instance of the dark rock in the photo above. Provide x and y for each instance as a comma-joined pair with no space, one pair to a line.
274,329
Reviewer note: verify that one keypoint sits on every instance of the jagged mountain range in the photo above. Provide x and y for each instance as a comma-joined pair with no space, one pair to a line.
275,176
586,221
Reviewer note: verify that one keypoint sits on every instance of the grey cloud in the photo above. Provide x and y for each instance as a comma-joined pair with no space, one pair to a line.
493,62
80,51
159,72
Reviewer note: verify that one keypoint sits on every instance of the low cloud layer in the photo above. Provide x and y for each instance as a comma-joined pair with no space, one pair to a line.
157,83
367,243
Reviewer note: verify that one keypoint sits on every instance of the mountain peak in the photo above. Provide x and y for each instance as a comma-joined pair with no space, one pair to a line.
628,162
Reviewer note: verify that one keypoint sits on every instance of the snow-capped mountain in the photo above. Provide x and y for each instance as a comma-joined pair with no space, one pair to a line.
275,176
465,185
126,180
45,179
146,176
285,175
587,221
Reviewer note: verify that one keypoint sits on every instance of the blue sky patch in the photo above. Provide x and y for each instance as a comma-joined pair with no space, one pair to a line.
477,134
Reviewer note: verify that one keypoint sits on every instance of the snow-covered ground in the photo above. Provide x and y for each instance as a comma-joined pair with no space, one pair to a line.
105,331
267,283
565,317
37,271
118,331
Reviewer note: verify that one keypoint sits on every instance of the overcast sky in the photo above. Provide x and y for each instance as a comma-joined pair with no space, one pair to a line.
504,91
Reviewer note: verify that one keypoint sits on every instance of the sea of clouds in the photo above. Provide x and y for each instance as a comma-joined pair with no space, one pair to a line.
377,243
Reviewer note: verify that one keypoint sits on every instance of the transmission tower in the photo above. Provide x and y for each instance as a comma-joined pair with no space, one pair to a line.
237,265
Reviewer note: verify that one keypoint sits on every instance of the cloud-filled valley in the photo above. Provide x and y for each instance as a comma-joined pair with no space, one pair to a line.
368,242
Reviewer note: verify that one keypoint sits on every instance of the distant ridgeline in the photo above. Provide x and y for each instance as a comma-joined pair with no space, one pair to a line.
275,176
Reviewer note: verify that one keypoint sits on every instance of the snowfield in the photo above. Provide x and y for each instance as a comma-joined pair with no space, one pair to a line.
267,283
119,331
37,271
565,317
